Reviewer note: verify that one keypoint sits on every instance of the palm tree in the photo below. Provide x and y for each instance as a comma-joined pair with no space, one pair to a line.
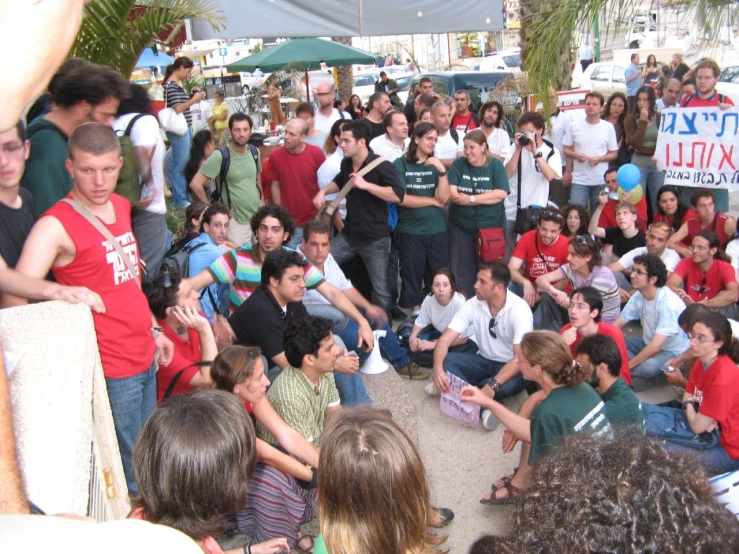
548,28
345,73
116,32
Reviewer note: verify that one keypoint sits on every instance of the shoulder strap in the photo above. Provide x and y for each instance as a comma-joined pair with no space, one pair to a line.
222,183
518,197
331,209
131,123
103,230
172,383
455,135
255,154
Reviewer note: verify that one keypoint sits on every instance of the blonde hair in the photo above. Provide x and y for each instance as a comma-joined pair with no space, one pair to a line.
550,352
373,491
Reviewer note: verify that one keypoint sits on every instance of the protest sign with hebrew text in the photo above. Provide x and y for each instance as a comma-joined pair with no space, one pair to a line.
699,147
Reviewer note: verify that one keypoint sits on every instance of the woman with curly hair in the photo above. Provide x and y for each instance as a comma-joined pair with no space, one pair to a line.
615,113
354,107
642,128
569,406
576,219
616,495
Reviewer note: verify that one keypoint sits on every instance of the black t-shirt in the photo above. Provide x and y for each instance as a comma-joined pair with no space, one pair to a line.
15,225
410,114
622,245
377,128
366,215
260,321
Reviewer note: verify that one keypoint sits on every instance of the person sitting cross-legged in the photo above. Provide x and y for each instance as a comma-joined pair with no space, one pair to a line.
600,355
658,309
569,406
623,238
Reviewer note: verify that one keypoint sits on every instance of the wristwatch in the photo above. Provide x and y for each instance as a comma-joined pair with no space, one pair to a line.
442,173
495,385
472,198
538,155
687,402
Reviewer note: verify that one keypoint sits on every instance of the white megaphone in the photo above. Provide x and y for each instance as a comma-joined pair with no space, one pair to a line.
374,364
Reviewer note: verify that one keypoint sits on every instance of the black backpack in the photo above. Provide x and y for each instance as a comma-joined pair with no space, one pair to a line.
177,259
221,180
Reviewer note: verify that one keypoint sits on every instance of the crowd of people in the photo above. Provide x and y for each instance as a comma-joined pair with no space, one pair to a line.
235,349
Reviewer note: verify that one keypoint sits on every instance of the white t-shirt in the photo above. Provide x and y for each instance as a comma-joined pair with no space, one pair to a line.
322,123
499,143
446,148
333,274
145,133
327,172
669,256
200,112
383,146
560,124
732,249
534,186
594,140
513,321
433,313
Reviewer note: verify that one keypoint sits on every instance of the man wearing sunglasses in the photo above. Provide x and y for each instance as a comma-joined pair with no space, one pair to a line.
499,319
658,308
706,276
537,253
657,236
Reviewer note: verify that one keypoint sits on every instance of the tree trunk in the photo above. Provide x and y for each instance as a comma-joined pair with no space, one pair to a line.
345,74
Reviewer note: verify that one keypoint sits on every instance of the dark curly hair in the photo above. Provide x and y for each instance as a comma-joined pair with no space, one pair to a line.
280,213
277,263
160,297
304,336
549,351
620,495
584,219
654,266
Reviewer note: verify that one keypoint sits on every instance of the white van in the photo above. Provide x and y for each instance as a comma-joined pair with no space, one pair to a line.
505,60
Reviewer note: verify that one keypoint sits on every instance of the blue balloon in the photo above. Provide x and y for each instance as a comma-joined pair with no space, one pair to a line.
628,176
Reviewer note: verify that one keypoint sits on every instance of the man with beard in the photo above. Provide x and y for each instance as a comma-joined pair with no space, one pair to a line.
491,118
600,355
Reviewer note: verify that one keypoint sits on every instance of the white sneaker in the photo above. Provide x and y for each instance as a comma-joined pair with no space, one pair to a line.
431,390
489,421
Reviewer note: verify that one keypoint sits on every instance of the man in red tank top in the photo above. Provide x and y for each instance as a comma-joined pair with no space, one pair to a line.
722,224
67,243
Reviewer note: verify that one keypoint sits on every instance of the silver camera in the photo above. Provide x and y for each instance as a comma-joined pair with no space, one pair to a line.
526,138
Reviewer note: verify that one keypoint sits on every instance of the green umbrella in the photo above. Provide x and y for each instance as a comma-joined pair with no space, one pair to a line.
304,54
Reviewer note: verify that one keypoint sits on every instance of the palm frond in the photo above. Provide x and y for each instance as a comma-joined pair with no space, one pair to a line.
116,32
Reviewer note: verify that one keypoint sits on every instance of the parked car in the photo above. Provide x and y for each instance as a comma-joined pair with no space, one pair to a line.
364,85
479,85
251,80
728,83
506,60
604,77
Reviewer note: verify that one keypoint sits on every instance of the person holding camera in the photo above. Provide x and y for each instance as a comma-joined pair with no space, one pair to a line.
529,166
237,176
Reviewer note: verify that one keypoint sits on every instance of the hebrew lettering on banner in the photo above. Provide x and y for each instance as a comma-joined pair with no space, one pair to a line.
699,147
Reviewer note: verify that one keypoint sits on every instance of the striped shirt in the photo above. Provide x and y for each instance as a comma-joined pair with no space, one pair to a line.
301,403
174,95
242,269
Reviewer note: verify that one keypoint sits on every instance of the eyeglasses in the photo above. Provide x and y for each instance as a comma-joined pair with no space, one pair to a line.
491,328
572,306
550,215
701,340
579,239
640,272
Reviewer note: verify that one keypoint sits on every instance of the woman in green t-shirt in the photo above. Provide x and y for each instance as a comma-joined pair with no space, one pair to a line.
569,406
478,185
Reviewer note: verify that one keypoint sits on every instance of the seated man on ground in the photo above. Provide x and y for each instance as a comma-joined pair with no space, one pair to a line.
657,236
657,308
709,219
625,236
707,276
584,310
499,319
608,214
537,253
316,247
600,355
569,406
262,319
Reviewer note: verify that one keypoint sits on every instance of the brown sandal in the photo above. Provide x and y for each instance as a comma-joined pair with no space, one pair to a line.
506,479
513,493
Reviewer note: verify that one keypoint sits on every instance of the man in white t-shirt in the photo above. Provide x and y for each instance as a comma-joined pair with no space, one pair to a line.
491,120
149,214
201,112
657,236
589,145
394,143
326,114
499,320
539,161
559,123
449,145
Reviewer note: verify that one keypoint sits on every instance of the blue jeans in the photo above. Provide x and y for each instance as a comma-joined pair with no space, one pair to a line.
479,371
463,258
420,256
175,171
296,239
426,358
580,194
672,425
376,258
650,367
132,401
651,178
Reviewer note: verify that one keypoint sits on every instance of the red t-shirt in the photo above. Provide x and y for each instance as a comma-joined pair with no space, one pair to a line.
124,330
689,214
298,177
695,102
463,124
186,353
530,249
266,179
699,286
608,215
717,391
608,330
718,226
